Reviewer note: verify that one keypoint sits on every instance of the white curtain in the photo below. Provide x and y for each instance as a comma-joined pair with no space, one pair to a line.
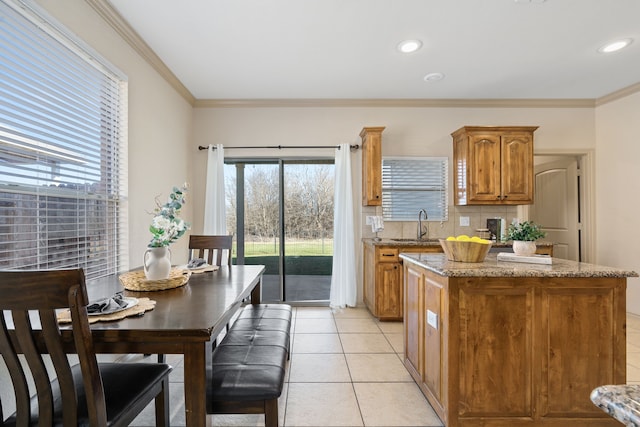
343,280
215,219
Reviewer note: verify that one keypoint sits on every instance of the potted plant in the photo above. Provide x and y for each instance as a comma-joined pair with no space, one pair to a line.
166,227
524,236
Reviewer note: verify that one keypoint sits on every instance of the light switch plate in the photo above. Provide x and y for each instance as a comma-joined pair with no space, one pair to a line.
432,319
464,221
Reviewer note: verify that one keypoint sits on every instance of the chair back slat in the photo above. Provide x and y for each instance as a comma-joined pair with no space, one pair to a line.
16,371
207,245
36,366
62,367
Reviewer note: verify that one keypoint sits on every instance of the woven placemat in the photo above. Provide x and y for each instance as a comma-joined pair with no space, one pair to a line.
136,280
144,304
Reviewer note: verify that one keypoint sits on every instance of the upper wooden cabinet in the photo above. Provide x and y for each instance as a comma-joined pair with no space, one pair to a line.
371,166
493,165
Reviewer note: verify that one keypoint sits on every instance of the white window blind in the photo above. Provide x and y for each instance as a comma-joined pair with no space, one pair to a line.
410,184
62,149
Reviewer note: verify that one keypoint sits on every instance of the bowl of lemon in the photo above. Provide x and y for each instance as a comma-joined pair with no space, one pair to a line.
463,248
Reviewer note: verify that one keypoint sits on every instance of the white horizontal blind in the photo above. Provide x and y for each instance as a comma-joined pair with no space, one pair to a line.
62,149
410,184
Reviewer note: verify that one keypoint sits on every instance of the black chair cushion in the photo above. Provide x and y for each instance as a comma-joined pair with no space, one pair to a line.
123,383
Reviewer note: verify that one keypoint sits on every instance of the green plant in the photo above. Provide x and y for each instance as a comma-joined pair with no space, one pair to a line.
526,231
166,226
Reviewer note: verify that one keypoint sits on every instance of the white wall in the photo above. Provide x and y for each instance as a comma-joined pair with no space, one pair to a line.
618,189
409,132
160,124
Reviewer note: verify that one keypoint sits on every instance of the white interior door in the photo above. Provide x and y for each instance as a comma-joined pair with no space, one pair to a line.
557,205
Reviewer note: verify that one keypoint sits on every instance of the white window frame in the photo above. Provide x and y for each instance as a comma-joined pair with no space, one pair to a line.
410,184
63,148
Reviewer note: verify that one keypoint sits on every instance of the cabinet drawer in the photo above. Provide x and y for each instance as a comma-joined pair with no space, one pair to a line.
388,255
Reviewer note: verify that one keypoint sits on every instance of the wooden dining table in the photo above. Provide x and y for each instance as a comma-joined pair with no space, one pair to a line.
183,321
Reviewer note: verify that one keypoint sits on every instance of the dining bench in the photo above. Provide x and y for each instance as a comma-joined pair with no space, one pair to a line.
247,368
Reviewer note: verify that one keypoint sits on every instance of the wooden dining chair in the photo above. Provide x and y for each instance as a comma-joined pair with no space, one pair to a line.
208,246
84,394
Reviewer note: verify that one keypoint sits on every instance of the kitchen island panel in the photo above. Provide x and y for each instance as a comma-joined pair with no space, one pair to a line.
495,339
519,345
588,350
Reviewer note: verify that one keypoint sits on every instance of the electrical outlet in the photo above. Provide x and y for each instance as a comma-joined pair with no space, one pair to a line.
464,221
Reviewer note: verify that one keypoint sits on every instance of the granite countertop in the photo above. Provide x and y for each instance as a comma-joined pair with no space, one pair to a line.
622,402
491,267
433,242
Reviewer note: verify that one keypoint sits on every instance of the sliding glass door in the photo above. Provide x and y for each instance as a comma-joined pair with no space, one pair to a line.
281,214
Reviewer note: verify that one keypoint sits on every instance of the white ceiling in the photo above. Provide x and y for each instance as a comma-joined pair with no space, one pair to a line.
346,49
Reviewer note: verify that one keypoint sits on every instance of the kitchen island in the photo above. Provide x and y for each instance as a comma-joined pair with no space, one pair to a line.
497,344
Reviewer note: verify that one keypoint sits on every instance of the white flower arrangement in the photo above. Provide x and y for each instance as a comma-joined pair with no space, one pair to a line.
167,226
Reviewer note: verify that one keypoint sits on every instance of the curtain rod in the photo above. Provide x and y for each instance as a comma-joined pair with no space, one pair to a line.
280,147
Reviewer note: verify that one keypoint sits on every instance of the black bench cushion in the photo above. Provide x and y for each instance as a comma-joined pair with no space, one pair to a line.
256,338
267,311
262,324
246,372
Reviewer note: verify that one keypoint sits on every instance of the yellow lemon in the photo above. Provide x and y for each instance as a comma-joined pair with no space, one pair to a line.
484,241
463,238
476,239
451,238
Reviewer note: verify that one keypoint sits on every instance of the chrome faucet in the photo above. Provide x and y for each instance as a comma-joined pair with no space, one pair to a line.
422,232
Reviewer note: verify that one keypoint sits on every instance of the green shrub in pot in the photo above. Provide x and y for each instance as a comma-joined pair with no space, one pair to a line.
526,231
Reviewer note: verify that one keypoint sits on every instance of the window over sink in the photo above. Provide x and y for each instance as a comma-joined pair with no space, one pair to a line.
410,184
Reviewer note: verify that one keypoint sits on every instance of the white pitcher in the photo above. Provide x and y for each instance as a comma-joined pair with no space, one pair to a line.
157,263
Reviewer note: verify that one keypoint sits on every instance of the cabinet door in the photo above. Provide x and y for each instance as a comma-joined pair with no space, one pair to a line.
413,321
517,168
433,369
372,166
369,270
389,290
496,350
484,168
582,344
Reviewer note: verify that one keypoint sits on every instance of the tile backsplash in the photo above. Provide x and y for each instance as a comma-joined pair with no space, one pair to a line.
409,229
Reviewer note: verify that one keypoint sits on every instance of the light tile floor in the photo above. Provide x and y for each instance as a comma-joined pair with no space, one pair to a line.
346,370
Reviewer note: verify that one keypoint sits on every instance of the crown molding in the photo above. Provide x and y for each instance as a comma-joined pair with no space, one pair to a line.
614,96
399,103
122,27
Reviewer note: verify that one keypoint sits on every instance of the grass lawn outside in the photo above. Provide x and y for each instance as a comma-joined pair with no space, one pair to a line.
292,248
304,257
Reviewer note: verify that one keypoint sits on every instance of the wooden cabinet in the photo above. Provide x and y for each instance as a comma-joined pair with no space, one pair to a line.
383,278
371,166
504,351
493,165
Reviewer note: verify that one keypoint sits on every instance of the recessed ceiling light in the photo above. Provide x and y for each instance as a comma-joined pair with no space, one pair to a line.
615,46
409,46
433,77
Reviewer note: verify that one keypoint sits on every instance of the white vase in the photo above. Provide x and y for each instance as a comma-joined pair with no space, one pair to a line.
157,263
524,248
